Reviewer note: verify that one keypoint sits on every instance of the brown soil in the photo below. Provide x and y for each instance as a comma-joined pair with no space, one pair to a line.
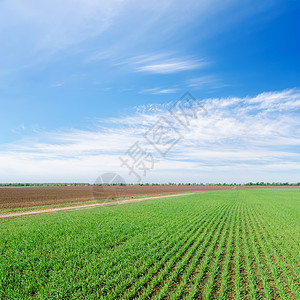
83,206
39,196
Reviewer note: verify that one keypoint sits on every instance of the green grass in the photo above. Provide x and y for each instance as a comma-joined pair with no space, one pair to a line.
235,244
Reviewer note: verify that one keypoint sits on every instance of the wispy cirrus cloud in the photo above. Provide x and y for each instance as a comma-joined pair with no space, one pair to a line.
251,138
163,63
206,82
57,28
158,91
172,66
32,33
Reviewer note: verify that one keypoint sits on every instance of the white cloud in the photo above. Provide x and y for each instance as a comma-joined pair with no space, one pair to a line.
165,62
33,32
238,137
36,33
57,85
162,63
206,82
157,91
56,24
171,66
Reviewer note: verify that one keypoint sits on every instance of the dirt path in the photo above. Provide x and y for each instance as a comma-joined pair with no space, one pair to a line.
85,206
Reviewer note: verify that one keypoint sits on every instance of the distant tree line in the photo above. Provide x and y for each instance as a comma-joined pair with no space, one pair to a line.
43,184
150,184
272,184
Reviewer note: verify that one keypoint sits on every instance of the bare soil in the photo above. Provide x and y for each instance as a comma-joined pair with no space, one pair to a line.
85,206
39,196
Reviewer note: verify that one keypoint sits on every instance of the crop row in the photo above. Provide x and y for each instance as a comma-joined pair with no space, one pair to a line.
221,245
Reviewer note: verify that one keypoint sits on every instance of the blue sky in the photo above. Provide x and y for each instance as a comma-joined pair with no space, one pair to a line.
81,81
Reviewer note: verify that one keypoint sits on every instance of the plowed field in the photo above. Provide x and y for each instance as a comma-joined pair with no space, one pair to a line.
38,196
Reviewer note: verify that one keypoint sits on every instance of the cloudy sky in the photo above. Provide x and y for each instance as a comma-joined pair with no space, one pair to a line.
83,82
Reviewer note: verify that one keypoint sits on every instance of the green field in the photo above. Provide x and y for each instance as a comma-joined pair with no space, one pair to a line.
235,244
